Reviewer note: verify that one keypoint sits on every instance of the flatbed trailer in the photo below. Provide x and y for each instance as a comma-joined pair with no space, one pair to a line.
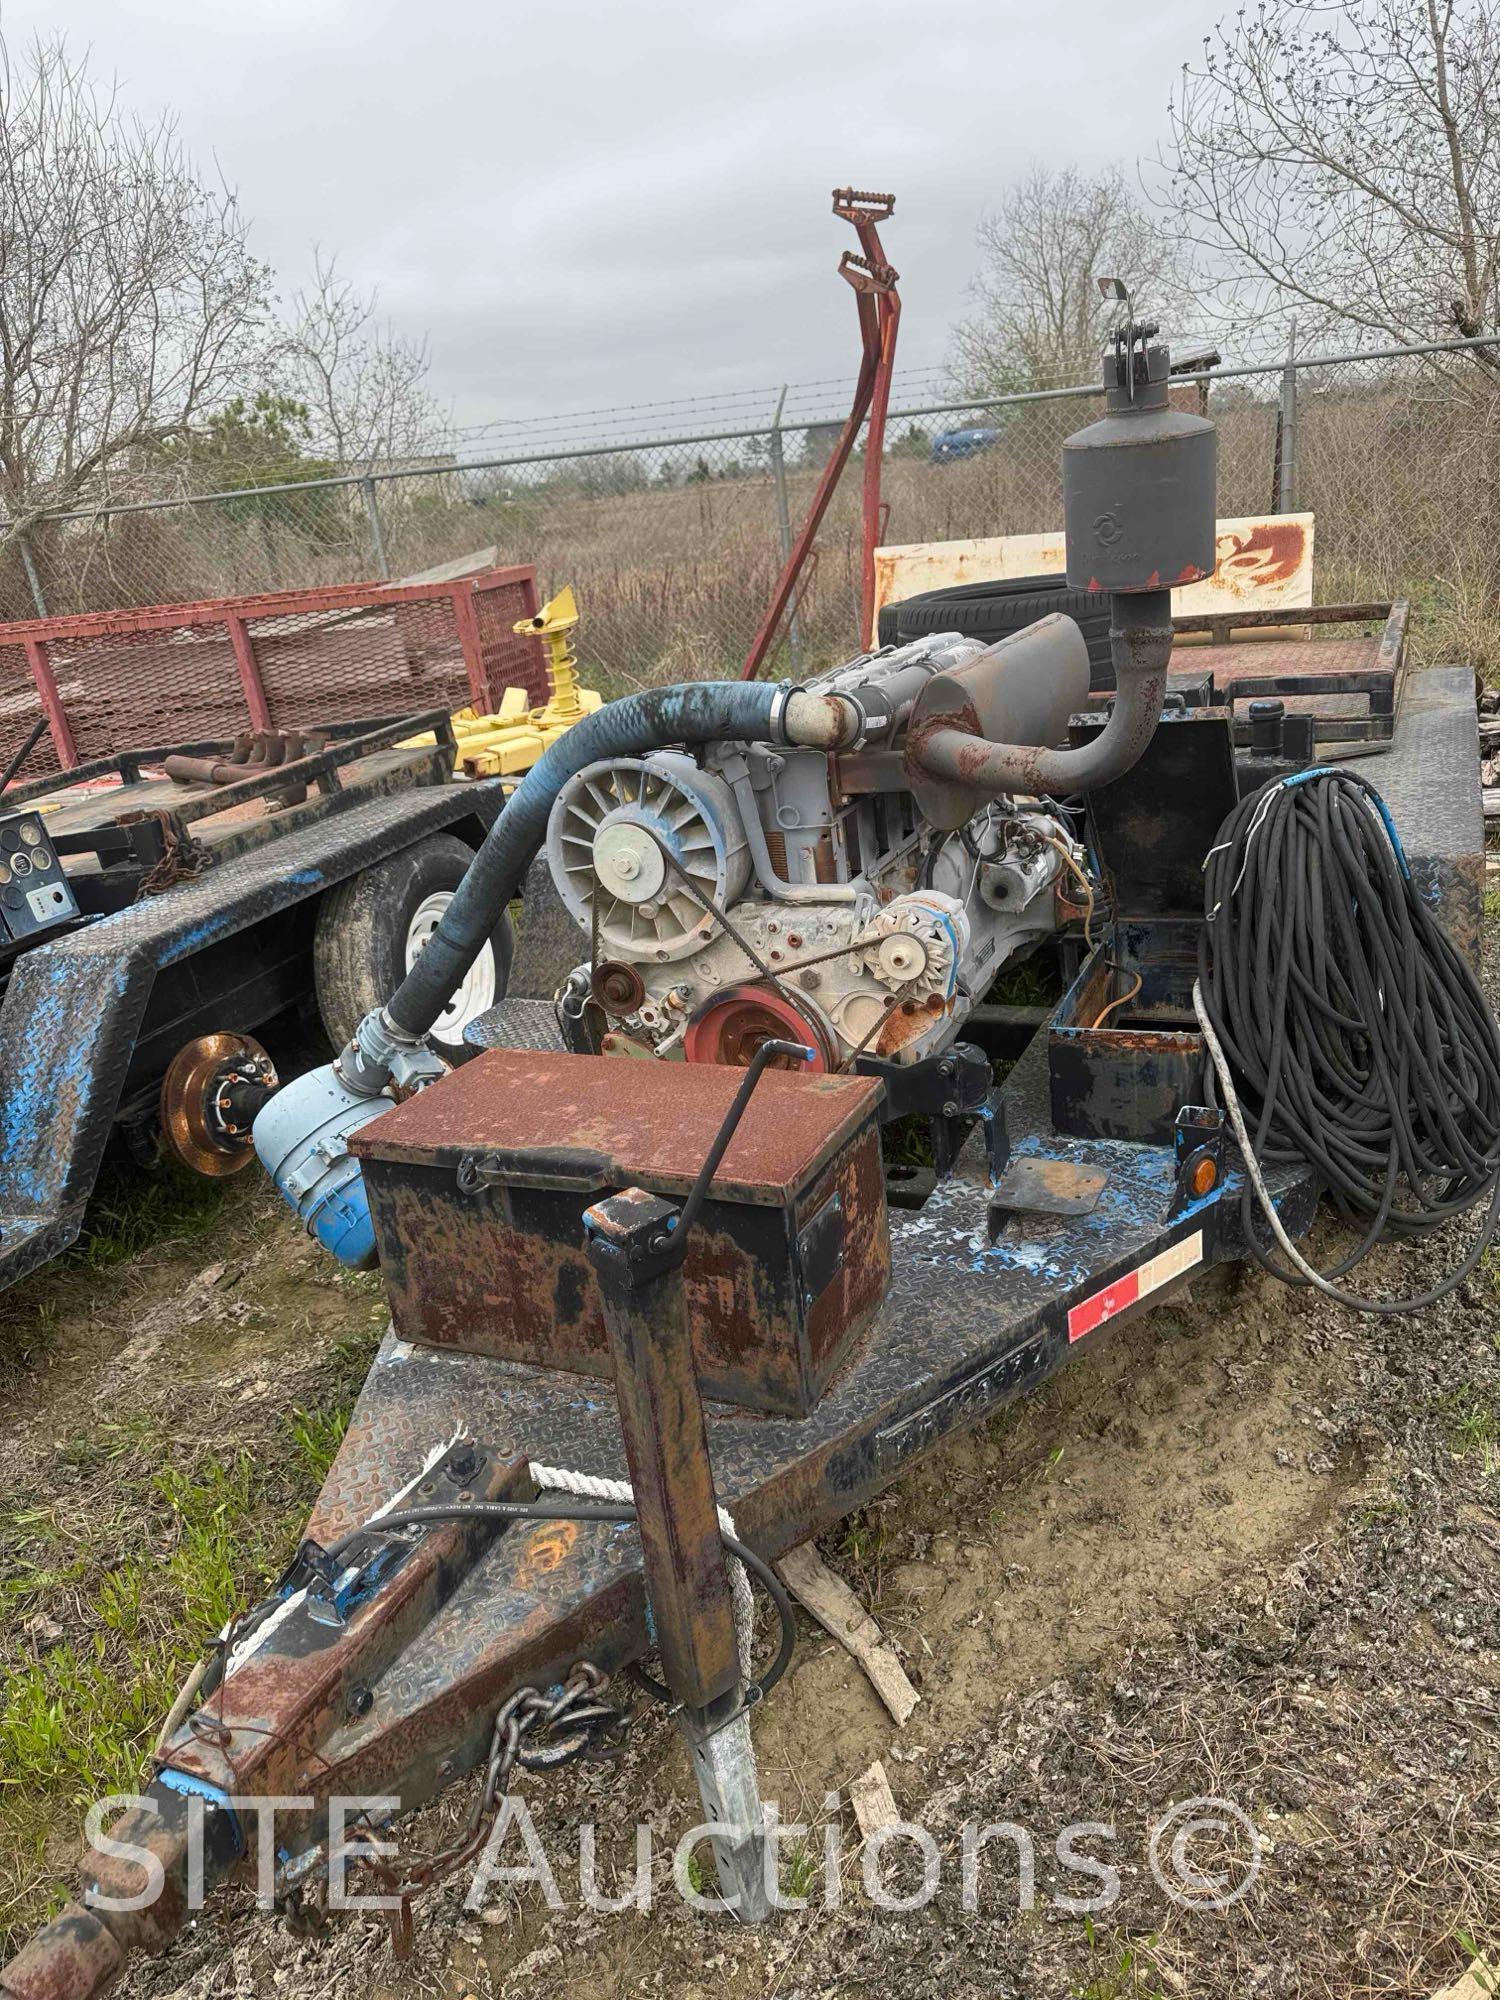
649,1317
203,911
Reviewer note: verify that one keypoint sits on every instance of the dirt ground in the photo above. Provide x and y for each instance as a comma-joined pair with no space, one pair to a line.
1248,1550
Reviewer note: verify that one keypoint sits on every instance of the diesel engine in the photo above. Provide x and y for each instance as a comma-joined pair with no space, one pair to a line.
756,890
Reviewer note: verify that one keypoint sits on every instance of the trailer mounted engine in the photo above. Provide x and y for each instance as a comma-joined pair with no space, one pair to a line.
754,891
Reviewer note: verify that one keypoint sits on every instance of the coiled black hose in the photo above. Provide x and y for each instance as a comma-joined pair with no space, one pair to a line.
1348,1033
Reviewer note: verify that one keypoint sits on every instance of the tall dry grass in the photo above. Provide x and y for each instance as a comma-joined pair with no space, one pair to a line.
1402,472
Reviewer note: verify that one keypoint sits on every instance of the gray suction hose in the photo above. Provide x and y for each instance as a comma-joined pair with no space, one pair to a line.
1141,645
692,712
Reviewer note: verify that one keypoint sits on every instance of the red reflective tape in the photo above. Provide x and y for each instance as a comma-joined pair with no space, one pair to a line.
1135,1285
1103,1305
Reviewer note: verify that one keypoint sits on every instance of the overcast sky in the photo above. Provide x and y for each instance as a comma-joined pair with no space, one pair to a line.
597,204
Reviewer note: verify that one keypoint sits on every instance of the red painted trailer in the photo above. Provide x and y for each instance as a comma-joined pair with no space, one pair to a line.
105,682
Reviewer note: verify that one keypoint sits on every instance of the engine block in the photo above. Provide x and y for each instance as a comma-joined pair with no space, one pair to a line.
754,890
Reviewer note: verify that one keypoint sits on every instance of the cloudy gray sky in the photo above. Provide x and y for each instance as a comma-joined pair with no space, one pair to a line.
606,202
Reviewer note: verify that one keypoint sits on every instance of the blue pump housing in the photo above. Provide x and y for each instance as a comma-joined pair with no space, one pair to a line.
302,1138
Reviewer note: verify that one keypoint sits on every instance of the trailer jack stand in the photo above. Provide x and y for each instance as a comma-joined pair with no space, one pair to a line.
729,1789
636,1242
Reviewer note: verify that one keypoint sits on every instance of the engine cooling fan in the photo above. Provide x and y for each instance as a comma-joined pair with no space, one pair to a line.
622,836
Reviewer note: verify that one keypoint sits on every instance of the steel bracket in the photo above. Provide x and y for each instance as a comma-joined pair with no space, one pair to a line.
1198,1147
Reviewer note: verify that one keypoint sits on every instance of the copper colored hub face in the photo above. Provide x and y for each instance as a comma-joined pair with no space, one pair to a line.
618,988
198,1079
733,1028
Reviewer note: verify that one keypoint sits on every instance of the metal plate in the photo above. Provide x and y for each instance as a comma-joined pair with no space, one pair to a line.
1036,1186
820,1249
1152,827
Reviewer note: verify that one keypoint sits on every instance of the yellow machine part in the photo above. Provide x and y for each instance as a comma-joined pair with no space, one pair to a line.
510,741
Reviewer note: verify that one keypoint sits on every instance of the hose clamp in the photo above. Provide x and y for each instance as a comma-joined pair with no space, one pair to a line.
779,701
861,719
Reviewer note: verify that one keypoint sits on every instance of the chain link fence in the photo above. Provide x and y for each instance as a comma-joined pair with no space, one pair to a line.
673,543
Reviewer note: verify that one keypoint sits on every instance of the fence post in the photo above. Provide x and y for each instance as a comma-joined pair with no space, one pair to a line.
377,534
32,577
784,516
1286,483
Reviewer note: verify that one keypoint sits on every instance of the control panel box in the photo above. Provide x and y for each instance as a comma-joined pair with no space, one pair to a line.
35,894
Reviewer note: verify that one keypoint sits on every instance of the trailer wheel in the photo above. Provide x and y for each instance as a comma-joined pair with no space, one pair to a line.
371,928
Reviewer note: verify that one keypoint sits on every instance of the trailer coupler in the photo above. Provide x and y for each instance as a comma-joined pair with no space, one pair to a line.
310,1730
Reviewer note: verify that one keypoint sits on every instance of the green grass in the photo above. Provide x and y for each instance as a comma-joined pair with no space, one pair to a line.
123,1590
187,1544
133,1210
702,1879
1381,1508
799,1868
1115,1973
316,1436
1028,982
1473,1420
1480,1962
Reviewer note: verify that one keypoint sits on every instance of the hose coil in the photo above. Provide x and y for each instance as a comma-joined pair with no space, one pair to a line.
1347,1032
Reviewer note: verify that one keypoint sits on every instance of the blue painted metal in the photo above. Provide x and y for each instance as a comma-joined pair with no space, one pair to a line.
188,1786
75,1008
302,1137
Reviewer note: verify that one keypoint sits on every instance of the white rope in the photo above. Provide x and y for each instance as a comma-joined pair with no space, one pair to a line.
590,1486
1247,1151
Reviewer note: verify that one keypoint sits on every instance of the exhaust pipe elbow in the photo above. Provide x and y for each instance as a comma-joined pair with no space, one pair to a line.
959,765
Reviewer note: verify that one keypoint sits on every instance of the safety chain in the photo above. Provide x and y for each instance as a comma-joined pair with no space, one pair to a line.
534,1731
181,856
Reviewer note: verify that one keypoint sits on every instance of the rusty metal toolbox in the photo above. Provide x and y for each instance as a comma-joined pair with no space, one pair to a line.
1129,1077
478,1185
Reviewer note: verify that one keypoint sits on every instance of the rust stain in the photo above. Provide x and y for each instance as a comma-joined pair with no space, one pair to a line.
1271,553
548,1549
645,1124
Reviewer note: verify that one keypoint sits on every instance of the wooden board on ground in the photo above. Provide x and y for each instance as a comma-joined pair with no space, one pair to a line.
1265,562
873,1801
1480,1982
830,1600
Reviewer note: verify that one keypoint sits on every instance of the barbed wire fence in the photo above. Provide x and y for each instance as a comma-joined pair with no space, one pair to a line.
673,537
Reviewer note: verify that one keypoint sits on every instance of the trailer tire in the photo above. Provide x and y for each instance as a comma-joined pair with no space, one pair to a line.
370,928
993,610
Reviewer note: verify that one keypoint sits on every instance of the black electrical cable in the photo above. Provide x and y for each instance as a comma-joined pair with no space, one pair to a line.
1357,1039
595,1510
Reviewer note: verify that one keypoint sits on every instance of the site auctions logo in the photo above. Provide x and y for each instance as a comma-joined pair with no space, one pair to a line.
1238,1845
1203,1854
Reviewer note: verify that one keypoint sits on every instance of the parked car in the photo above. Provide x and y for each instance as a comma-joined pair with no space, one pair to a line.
961,444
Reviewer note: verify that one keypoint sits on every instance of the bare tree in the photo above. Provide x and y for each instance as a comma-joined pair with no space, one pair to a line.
361,383
1343,162
129,302
1038,318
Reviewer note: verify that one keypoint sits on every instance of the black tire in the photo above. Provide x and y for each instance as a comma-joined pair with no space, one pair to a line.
991,610
359,945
